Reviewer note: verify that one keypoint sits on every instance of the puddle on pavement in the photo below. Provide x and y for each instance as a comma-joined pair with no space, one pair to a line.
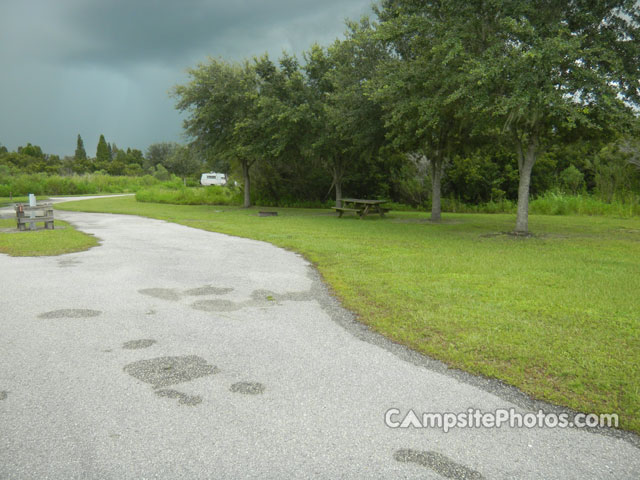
162,293
216,306
208,290
71,313
68,262
248,388
265,296
183,398
164,371
259,298
439,463
137,344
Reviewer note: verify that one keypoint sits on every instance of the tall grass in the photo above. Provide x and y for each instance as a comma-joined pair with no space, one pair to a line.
43,184
559,204
212,195
553,203
216,195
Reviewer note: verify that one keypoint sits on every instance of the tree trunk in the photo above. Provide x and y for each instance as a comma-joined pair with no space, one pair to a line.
338,193
247,184
525,164
436,182
337,182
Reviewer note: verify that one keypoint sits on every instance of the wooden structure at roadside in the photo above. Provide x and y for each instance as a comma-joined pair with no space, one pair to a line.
26,214
361,207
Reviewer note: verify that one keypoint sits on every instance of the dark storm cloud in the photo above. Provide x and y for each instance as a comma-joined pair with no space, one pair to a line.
104,66
125,31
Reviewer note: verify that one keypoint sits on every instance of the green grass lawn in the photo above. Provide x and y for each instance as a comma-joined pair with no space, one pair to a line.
64,239
557,315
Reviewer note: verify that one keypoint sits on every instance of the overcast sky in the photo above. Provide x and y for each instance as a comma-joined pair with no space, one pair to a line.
105,66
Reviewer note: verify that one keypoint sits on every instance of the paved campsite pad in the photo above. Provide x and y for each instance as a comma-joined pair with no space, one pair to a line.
269,378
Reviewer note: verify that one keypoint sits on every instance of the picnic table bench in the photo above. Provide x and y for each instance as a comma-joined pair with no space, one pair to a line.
40,213
361,207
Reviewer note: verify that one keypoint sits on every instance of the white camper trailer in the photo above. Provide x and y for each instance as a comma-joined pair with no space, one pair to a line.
213,178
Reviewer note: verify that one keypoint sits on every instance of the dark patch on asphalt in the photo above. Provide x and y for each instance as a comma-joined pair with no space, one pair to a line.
183,398
71,313
259,298
208,290
162,293
216,306
263,296
68,262
247,388
136,344
164,371
269,296
439,463
3,395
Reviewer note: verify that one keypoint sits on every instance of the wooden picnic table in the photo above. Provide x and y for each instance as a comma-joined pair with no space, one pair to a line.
361,207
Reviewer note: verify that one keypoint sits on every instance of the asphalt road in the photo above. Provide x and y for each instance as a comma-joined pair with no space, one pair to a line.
170,352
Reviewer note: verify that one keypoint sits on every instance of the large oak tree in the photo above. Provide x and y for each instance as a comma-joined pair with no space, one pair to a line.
221,103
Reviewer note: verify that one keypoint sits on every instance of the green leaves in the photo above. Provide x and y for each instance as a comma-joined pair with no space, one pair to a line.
219,100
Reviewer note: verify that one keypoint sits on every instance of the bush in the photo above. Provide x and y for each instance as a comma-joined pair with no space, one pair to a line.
572,180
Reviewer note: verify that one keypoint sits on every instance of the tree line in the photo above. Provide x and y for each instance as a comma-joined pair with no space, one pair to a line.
160,160
469,94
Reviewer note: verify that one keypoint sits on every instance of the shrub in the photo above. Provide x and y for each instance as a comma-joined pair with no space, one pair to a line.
572,180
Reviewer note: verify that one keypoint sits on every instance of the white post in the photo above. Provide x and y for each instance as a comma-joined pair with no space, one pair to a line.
32,213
